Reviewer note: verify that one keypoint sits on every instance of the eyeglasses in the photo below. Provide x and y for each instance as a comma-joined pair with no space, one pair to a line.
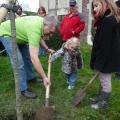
51,32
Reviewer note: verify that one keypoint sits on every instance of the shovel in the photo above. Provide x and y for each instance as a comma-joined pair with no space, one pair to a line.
46,113
47,94
82,93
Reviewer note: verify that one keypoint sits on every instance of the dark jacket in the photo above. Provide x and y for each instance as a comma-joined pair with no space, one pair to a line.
105,55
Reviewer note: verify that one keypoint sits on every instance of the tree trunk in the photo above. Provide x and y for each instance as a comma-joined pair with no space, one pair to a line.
3,13
16,71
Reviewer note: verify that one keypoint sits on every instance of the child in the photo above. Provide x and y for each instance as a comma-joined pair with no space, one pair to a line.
41,11
105,56
71,60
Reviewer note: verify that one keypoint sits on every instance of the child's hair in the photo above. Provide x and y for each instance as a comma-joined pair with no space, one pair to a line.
114,9
73,41
102,2
41,8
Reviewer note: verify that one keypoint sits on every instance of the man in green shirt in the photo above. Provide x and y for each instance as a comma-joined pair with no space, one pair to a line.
29,32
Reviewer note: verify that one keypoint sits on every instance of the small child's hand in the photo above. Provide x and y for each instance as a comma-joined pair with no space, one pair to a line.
50,51
49,61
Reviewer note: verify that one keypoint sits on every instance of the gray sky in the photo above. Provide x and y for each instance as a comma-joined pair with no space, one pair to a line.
29,5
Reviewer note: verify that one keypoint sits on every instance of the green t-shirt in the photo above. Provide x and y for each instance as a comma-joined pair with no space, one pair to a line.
29,29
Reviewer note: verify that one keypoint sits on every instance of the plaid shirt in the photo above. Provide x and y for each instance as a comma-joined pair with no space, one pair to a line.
69,63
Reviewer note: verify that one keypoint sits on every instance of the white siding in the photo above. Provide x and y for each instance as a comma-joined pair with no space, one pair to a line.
79,4
61,5
52,4
44,3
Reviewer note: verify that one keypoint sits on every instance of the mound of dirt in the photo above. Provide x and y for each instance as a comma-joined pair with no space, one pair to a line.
45,113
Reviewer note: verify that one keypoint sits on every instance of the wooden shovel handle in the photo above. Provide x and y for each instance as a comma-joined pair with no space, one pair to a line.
49,67
82,93
91,80
49,71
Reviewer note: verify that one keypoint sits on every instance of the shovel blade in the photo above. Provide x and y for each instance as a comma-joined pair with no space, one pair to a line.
46,102
77,99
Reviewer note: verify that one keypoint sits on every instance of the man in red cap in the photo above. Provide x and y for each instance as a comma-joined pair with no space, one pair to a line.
72,24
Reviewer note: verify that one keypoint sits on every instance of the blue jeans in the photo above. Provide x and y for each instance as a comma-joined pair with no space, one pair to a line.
24,63
42,52
24,49
71,78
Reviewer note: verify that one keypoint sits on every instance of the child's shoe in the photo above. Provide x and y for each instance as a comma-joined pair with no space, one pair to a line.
67,82
70,87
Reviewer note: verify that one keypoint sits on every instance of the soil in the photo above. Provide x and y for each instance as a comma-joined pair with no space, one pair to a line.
13,117
45,113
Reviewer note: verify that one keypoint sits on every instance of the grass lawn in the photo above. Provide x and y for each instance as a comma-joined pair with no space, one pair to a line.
61,97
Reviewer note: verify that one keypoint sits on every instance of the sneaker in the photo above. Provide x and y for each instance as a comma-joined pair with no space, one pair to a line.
70,87
100,105
29,94
67,82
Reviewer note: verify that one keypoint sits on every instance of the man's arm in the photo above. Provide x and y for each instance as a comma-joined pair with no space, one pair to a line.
37,64
46,47
43,44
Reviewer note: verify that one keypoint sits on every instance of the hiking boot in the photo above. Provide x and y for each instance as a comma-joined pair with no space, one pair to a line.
29,94
103,102
100,105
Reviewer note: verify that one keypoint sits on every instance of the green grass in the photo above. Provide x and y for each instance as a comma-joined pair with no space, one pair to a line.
60,96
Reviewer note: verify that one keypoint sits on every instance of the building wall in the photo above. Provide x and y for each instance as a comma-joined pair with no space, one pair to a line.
60,7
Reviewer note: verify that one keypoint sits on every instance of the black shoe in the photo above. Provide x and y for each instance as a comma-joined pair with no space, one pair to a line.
35,81
103,101
29,94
